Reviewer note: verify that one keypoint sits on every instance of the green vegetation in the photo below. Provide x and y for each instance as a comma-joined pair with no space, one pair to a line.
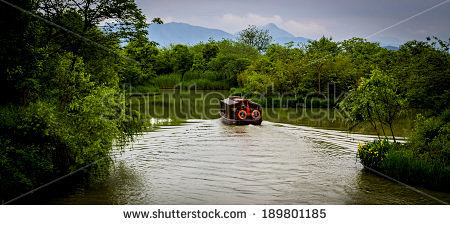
431,137
423,159
322,69
316,73
212,65
61,103
306,71
375,101
400,162
257,38
63,107
373,154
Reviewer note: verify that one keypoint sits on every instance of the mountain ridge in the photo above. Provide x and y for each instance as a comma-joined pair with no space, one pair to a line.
184,33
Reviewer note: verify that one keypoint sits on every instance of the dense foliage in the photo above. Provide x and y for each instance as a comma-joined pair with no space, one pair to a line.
61,105
431,138
212,65
375,101
321,69
327,69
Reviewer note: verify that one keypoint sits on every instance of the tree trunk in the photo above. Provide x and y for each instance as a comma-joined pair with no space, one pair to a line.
392,132
382,128
25,97
374,125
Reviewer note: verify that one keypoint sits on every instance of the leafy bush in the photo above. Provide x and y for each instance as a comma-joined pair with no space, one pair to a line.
26,150
38,142
373,153
432,137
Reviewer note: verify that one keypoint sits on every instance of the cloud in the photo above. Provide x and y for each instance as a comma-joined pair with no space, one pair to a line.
234,23
167,19
238,23
307,29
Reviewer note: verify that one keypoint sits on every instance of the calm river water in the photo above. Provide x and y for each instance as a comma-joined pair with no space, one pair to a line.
202,161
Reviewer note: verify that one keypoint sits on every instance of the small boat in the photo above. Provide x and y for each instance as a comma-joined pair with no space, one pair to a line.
238,111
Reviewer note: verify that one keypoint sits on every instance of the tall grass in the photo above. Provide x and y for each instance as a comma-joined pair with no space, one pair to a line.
201,80
207,84
167,80
208,75
423,171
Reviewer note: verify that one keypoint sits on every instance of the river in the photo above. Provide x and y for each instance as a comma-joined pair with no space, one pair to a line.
199,160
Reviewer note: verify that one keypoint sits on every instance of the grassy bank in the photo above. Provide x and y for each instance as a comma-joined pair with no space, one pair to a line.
423,160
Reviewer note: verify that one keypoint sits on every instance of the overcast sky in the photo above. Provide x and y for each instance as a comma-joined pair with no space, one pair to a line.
341,19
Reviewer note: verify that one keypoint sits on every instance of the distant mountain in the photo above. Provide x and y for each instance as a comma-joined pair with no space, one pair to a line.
183,33
391,47
276,32
281,36
388,41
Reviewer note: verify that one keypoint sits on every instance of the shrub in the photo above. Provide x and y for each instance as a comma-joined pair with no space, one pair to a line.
431,137
373,153
39,143
26,150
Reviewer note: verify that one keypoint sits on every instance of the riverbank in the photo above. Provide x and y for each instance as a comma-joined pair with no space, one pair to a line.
423,160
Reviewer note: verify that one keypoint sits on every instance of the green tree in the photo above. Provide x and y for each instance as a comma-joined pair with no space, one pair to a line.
257,38
320,53
375,101
141,69
210,51
61,110
20,55
365,55
423,71
129,21
182,59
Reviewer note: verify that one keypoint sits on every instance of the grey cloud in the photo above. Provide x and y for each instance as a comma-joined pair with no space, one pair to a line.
340,18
